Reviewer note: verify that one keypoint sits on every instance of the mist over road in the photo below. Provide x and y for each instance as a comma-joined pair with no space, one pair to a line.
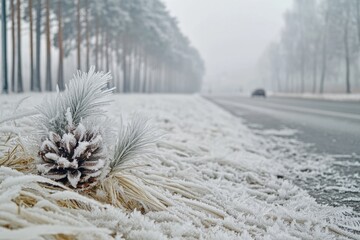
333,127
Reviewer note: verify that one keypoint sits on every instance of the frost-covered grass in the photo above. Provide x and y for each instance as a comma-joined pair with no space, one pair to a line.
217,178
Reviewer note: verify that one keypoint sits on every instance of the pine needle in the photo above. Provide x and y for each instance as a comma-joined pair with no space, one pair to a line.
83,96
133,140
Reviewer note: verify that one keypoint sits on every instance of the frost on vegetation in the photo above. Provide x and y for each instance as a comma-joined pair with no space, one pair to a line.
211,178
134,139
84,97
75,148
13,135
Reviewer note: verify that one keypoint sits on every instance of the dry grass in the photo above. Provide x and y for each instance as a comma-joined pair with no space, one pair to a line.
126,192
15,156
120,190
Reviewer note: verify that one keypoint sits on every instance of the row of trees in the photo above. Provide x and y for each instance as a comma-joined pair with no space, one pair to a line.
137,40
318,50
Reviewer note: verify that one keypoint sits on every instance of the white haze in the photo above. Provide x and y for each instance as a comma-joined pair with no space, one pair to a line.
231,35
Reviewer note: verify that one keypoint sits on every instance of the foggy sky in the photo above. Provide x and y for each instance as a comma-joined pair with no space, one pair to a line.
231,35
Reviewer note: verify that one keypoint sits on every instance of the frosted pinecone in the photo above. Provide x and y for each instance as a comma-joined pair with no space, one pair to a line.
77,158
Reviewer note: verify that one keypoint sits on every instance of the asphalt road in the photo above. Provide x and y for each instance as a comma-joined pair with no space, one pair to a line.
332,128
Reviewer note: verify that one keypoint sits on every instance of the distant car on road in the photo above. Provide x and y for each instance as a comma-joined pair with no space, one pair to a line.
258,93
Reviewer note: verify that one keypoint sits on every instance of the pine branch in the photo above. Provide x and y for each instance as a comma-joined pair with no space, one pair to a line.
133,140
83,96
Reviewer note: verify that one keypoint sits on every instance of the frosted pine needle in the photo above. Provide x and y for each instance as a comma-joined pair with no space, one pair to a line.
84,96
133,140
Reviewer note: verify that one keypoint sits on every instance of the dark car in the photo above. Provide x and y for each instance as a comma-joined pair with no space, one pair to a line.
258,93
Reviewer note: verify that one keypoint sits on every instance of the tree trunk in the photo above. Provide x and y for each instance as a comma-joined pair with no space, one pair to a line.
346,46
324,54
287,84
156,79
347,59
87,36
136,67
138,70
78,36
13,45
61,83
159,77
314,73
118,62
315,64
124,65
152,75
97,43
48,84
4,47
107,51
129,65
149,77
163,77
145,75
38,47
32,85
110,67
358,18
302,72
102,40
19,75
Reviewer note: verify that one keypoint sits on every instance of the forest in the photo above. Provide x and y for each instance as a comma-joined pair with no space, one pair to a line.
318,50
138,41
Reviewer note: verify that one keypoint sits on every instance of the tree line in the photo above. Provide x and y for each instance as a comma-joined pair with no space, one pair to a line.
137,40
318,50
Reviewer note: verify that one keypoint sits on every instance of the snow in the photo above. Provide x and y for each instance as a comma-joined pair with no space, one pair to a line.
218,178
325,96
284,132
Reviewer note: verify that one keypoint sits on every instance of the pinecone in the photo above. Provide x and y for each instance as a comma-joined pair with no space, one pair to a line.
77,158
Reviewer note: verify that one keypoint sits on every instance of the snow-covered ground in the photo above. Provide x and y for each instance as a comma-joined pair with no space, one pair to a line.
325,96
218,178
